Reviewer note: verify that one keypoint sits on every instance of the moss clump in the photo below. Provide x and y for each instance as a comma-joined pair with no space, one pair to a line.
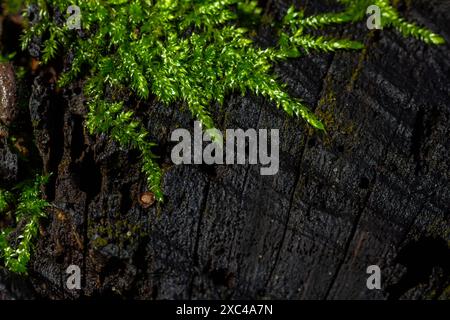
119,232
189,51
28,206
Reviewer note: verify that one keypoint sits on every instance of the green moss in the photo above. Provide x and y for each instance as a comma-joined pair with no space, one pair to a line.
5,200
327,105
118,231
28,206
445,294
439,226
326,110
191,51
357,71
99,242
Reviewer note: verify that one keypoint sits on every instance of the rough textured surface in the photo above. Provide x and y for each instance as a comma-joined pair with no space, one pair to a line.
8,101
8,112
374,190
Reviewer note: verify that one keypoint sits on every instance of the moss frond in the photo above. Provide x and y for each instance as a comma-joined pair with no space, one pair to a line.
29,208
111,118
5,200
390,17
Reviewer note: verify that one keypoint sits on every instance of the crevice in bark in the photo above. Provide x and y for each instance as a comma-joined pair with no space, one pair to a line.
349,242
195,257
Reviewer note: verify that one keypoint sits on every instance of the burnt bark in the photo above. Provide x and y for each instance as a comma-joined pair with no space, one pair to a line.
373,190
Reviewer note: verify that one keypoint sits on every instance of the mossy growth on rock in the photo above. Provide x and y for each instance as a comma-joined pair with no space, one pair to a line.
22,208
189,51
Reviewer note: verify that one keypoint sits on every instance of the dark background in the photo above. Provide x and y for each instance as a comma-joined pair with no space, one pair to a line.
373,190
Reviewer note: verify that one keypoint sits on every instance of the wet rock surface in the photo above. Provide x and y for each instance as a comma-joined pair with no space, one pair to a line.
374,190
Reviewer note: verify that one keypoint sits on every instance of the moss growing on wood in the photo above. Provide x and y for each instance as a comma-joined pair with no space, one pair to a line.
27,206
189,51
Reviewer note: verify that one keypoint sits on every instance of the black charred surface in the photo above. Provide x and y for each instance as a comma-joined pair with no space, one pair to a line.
374,190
